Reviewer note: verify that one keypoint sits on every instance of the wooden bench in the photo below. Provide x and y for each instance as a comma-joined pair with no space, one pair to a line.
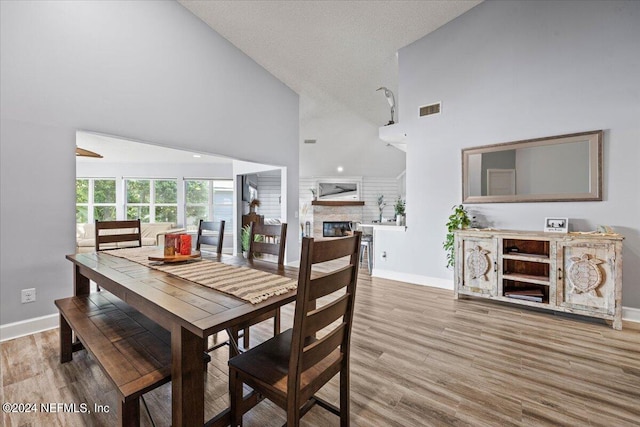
133,352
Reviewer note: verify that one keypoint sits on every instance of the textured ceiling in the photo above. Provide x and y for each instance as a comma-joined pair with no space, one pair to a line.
336,53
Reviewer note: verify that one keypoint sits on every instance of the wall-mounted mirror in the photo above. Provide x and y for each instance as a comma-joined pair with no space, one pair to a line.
553,169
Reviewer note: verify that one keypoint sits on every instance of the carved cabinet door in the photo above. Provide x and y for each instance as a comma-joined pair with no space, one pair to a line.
476,267
587,276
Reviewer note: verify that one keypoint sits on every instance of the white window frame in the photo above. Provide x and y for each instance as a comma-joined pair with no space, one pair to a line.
152,197
210,198
90,203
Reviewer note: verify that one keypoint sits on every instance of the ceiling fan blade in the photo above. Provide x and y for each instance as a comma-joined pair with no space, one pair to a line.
81,152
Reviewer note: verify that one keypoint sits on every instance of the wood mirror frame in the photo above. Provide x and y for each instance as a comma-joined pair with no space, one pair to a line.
543,159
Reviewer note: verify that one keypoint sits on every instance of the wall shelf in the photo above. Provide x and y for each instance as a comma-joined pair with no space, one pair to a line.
394,135
337,203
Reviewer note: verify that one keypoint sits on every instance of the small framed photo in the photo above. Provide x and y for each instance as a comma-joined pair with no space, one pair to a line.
556,225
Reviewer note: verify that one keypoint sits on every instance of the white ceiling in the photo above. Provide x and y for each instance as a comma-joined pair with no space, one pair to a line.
120,150
336,53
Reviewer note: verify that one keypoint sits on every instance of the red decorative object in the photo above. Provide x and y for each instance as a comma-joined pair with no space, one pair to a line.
185,244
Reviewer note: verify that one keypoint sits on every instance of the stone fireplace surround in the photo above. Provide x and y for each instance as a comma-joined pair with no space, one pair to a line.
345,211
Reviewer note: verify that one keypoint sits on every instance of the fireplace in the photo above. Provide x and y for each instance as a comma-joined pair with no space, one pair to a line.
334,213
336,228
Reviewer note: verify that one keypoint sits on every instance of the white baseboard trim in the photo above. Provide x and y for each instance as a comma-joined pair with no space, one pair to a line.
22,328
415,279
629,314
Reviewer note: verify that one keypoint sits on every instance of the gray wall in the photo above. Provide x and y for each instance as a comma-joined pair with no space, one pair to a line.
144,70
508,71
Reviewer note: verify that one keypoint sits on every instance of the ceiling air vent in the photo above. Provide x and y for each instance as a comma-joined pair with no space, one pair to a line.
309,141
428,110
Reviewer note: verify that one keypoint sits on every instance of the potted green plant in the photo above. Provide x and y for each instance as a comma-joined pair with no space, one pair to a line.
458,220
399,208
245,237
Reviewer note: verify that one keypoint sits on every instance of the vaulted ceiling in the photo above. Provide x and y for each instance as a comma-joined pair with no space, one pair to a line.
334,54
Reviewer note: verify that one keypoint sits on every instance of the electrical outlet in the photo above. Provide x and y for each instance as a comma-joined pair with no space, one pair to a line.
28,295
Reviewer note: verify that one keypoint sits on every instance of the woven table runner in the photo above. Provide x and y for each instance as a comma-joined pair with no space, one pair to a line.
242,282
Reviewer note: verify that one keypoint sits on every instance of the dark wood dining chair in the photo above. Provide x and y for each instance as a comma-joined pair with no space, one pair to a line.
272,240
206,237
210,239
117,232
264,239
291,367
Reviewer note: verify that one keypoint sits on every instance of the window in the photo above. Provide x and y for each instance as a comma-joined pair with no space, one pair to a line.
95,200
210,200
152,200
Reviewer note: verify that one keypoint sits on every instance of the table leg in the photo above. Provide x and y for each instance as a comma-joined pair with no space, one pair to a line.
80,283
187,378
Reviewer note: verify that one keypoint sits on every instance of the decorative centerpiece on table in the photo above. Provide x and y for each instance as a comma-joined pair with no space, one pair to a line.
399,208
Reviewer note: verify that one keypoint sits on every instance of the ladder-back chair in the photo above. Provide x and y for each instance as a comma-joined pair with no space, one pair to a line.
264,239
210,239
291,367
117,232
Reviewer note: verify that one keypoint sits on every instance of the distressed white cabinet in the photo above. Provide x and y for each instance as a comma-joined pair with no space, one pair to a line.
574,273
476,265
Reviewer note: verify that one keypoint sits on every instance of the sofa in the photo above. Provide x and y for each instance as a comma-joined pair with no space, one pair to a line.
152,235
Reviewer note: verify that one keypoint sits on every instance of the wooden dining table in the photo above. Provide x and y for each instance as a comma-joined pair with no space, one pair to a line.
189,311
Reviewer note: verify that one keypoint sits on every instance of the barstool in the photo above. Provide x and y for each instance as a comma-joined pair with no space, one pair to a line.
366,244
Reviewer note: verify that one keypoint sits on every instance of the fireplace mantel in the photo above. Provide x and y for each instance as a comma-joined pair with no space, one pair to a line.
337,203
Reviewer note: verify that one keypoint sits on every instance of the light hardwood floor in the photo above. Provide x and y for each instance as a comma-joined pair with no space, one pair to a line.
419,358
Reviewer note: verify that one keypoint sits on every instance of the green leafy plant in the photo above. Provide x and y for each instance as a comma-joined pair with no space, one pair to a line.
459,219
245,238
400,206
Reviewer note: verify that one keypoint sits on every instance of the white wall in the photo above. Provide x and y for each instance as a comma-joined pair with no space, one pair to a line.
144,70
508,71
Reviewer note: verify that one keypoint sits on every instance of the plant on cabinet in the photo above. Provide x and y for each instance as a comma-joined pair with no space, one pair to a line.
459,219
